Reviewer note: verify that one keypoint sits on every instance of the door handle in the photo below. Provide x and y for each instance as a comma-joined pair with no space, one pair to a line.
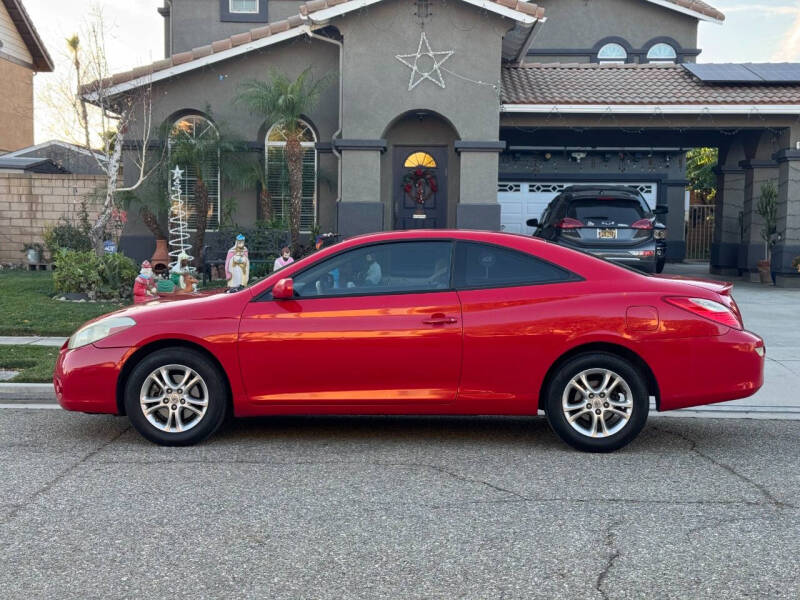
440,319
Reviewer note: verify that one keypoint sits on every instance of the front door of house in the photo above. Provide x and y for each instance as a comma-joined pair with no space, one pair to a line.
420,187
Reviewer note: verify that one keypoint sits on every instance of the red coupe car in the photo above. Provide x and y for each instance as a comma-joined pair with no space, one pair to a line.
421,322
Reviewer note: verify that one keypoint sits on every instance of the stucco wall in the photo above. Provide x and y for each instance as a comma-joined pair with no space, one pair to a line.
16,107
29,203
581,24
197,22
213,90
376,83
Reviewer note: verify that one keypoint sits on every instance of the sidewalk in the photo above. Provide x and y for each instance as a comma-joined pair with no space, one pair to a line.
33,340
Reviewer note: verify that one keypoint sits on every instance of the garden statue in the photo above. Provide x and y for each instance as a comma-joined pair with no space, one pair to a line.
144,286
181,275
237,264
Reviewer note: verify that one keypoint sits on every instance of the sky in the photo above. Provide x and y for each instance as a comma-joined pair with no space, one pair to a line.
762,31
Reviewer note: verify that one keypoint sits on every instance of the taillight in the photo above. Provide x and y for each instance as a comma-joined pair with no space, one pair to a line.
569,223
642,224
708,309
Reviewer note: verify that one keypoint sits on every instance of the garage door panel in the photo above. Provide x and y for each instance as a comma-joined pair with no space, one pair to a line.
520,201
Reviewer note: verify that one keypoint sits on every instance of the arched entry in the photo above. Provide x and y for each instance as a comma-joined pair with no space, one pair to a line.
418,168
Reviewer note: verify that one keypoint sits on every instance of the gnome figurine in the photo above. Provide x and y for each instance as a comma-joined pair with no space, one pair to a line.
237,264
144,287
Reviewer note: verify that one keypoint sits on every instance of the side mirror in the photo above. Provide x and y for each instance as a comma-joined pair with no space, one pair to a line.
661,210
532,222
284,289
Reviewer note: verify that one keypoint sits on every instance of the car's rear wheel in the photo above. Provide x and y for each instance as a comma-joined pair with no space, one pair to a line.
597,402
176,397
660,264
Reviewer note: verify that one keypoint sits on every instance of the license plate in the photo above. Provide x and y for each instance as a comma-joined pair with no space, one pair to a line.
606,234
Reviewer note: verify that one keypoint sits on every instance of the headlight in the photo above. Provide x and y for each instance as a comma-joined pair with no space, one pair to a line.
660,234
99,330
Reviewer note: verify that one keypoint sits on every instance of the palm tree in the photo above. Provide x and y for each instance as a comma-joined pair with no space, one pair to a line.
246,172
282,102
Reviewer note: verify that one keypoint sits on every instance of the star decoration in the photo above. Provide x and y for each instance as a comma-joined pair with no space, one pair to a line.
177,172
433,73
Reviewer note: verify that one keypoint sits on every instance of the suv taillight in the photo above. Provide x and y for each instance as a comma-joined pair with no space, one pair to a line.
569,223
708,309
642,224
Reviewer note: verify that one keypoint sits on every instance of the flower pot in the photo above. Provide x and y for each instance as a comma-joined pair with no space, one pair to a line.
33,256
764,272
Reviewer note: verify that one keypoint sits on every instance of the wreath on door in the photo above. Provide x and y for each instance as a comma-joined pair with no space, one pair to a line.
420,184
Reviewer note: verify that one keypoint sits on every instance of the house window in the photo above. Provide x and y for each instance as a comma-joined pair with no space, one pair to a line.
247,7
195,138
278,175
420,159
662,52
612,53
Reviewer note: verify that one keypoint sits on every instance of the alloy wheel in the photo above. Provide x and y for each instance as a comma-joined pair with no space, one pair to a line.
174,398
597,403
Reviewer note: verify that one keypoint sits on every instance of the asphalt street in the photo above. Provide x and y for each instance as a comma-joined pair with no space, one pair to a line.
386,507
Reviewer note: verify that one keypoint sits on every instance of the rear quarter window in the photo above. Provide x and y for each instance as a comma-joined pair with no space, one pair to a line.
487,265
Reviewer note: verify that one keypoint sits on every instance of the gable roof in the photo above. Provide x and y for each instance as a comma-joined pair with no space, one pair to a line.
313,15
19,16
694,8
592,87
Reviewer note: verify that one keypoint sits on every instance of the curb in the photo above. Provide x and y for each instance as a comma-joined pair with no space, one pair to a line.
26,393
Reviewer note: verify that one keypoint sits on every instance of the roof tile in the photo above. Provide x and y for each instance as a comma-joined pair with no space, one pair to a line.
201,52
221,45
261,32
241,38
610,84
181,57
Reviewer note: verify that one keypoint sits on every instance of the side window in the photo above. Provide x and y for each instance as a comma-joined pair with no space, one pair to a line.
380,269
486,266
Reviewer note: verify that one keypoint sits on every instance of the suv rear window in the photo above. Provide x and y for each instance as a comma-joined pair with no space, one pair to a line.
604,212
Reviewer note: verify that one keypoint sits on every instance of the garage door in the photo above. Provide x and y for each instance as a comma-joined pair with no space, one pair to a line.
520,201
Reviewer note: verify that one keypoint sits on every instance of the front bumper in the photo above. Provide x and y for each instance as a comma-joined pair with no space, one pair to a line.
85,379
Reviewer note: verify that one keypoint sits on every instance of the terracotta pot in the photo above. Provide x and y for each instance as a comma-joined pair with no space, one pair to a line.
160,258
764,271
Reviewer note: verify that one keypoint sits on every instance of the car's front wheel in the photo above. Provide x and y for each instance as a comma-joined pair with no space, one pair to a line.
597,402
176,397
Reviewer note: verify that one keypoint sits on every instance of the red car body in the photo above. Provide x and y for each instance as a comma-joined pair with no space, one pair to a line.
478,351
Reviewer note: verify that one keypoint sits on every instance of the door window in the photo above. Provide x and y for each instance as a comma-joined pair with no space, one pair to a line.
487,266
395,268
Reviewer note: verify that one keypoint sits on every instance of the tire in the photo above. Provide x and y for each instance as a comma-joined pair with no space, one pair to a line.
189,415
660,265
603,428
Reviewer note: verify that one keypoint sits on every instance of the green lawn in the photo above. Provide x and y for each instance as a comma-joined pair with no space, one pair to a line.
27,306
34,363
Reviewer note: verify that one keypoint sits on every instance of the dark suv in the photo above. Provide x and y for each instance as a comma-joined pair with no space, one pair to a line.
613,222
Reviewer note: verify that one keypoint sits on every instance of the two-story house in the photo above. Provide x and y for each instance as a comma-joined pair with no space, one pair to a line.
501,102
22,54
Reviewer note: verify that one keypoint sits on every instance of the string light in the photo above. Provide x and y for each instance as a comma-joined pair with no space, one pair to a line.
178,234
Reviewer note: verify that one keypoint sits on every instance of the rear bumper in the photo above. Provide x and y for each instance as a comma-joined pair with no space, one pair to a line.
694,372
630,256
85,379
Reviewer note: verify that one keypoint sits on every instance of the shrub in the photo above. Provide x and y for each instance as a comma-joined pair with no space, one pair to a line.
77,271
111,276
117,275
69,236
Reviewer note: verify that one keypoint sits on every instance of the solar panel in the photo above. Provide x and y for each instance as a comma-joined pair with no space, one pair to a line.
745,72
721,72
776,72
